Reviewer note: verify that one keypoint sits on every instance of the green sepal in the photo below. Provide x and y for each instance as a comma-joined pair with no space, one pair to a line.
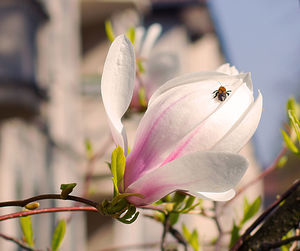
130,212
178,199
289,143
250,209
118,162
58,235
109,31
66,189
131,34
159,216
26,226
173,218
133,219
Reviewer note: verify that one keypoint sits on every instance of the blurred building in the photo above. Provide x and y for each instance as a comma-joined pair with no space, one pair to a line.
39,110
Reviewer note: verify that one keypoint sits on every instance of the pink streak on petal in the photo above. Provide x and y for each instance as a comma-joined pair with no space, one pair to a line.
140,163
175,154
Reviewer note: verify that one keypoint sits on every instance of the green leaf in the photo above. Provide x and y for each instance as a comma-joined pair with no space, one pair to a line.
173,218
131,34
294,106
194,240
66,189
118,162
282,161
58,235
189,202
186,232
191,238
26,226
109,31
295,123
289,143
235,234
287,246
250,209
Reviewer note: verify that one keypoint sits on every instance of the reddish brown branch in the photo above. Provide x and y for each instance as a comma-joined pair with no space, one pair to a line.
46,210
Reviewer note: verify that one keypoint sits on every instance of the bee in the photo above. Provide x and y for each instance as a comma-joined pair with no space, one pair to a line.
221,93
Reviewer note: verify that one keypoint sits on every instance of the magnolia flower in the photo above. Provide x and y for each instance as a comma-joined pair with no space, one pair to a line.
187,140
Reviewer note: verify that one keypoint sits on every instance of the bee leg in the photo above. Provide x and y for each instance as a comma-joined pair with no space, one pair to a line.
216,94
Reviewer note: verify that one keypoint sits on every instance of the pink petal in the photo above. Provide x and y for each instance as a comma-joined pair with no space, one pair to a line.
200,172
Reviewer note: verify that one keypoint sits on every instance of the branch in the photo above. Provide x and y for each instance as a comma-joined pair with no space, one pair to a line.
165,231
46,210
23,203
277,224
219,227
268,246
18,242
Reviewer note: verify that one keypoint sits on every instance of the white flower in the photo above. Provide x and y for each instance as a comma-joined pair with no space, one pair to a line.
187,140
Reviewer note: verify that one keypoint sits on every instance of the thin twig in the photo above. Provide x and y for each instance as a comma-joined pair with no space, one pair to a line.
268,246
218,225
266,172
46,210
153,207
165,231
90,171
178,236
91,164
18,242
23,203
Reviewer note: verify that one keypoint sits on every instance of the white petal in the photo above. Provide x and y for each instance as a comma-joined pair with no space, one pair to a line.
227,69
216,77
182,120
117,85
228,195
152,35
205,135
200,172
243,130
